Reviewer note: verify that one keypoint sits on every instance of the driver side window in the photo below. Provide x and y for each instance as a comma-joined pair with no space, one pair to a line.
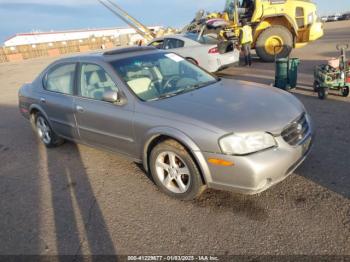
94,82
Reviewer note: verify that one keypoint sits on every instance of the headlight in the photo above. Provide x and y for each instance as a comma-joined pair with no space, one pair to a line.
246,143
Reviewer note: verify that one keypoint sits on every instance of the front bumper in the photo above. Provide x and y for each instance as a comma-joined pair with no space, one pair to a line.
257,172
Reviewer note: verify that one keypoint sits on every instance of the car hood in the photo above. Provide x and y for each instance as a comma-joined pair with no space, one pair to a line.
232,106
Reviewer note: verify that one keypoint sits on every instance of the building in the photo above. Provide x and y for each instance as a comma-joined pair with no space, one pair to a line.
51,37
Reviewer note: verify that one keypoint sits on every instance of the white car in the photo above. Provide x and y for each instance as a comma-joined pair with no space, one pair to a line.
202,50
333,18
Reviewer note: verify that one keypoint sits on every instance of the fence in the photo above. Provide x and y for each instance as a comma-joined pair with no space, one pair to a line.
19,53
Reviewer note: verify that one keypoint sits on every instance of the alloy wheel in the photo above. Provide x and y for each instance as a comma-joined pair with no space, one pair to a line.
173,172
43,130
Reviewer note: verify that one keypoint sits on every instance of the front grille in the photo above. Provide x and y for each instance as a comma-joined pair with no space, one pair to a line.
295,132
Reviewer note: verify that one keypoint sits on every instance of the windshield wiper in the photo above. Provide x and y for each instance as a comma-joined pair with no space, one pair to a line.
167,95
200,85
185,90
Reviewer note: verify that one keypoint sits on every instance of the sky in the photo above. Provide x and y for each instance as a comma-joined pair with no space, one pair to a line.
20,16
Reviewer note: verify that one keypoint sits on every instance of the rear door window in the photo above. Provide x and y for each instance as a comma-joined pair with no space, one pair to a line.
172,43
204,39
61,79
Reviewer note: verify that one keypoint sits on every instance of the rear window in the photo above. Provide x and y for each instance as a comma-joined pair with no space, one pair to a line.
207,40
172,43
61,79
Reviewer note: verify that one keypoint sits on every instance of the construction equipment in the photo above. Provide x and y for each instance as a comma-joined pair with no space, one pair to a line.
286,24
144,31
336,78
141,29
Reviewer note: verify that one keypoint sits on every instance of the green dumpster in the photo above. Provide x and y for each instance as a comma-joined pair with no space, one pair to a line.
286,73
293,72
281,77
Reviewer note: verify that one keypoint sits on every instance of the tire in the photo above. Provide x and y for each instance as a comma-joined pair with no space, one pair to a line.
345,91
322,93
44,131
317,86
277,35
167,173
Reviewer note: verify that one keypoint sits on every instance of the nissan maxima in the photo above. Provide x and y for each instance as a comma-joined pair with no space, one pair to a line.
189,129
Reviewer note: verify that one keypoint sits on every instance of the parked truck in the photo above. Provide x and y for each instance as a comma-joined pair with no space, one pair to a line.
278,25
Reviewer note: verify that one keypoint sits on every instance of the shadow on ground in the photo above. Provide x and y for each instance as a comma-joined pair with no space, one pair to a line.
72,194
77,217
221,201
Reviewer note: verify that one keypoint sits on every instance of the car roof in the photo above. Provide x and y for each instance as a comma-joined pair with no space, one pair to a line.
112,55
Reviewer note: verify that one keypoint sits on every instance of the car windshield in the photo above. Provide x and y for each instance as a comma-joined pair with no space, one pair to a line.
161,75
204,39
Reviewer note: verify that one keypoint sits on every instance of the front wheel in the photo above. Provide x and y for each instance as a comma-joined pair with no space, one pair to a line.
174,171
275,41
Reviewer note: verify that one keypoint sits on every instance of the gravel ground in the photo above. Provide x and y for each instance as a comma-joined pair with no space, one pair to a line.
80,200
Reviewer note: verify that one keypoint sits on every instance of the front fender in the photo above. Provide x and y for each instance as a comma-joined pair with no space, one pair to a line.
280,19
182,138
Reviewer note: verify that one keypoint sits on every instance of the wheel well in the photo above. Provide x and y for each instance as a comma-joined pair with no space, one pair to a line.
190,58
275,21
34,111
159,139
32,114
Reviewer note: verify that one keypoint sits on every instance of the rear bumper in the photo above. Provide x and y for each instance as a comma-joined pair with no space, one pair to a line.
235,64
218,62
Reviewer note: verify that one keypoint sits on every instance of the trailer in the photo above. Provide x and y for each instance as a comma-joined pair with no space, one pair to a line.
333,78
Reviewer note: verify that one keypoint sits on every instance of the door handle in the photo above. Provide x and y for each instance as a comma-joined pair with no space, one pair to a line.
80,109
42,100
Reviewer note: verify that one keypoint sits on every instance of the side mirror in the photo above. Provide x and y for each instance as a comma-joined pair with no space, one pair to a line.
111,96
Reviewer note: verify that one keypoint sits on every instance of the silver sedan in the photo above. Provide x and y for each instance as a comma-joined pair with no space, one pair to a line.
188,128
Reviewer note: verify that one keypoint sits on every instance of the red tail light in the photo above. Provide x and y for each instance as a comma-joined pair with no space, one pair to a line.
213,50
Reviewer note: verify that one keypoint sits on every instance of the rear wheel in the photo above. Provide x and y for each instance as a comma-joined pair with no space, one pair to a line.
45,132
275,41
317,86
345,91
174,171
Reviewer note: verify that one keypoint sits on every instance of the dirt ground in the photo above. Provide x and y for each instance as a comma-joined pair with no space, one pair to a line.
80,200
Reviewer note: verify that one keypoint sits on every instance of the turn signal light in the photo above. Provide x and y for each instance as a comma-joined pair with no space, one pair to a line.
220,162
